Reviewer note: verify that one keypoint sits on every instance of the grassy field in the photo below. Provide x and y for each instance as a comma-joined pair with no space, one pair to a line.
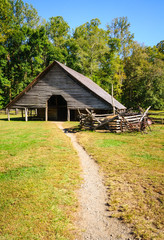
39,172
133,168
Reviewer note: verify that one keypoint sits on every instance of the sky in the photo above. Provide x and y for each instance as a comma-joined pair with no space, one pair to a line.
146,17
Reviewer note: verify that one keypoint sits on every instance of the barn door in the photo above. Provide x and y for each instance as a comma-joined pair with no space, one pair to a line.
57,108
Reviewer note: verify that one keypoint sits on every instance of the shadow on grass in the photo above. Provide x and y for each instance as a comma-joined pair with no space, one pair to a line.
76,129
20,119
12,119
73,129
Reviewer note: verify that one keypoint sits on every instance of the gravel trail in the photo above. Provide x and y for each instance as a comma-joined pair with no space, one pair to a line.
93,218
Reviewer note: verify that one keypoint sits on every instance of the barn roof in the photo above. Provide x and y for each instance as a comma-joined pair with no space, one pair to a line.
85,81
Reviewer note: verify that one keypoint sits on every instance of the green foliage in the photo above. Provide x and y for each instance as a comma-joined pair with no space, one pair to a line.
112,71
144,85
90,46
58,32
107,56
119,29
160,46
23,45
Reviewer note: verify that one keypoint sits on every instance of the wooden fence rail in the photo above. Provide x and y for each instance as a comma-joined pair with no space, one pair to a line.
156,117
115,123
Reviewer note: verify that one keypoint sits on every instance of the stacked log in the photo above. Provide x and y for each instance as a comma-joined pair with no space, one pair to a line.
114,123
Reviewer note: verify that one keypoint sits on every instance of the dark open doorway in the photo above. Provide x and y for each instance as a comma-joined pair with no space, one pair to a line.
57,108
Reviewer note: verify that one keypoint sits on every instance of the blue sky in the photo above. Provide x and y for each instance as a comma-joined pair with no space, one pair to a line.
145,16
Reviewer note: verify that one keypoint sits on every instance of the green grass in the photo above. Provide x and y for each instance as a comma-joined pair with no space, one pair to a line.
39,173
133,168
108,143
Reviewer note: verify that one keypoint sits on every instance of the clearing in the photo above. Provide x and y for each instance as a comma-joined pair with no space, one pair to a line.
93,218
132,164
39,173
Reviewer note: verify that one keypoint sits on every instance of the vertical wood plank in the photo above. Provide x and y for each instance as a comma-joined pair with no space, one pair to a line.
22,112
26,114
68,114
46,111
74,93
8,114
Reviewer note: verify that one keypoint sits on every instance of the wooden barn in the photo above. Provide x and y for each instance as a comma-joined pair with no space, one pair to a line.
58,92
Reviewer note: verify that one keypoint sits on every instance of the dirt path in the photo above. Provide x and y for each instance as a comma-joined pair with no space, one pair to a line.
93,218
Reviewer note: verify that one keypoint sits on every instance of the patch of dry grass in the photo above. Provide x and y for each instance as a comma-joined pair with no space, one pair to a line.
133,169
39,172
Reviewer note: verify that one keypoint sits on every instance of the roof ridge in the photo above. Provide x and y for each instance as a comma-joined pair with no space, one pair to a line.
87,82
90,83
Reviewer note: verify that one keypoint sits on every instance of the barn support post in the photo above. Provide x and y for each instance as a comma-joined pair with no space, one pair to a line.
16,111
26,114
8,114
22,112
68,114
46,111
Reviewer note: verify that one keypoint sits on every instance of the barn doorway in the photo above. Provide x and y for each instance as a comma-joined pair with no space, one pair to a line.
57,108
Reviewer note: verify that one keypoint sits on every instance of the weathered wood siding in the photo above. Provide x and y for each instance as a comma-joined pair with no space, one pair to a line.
58,82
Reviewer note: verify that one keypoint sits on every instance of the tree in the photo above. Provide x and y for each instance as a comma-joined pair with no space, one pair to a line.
111,70
6,16
120,29
93,52
144,84
58,32
160,46
108,56
90,44
19,21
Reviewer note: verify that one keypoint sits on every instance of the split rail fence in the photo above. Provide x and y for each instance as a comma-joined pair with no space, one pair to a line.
121,122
